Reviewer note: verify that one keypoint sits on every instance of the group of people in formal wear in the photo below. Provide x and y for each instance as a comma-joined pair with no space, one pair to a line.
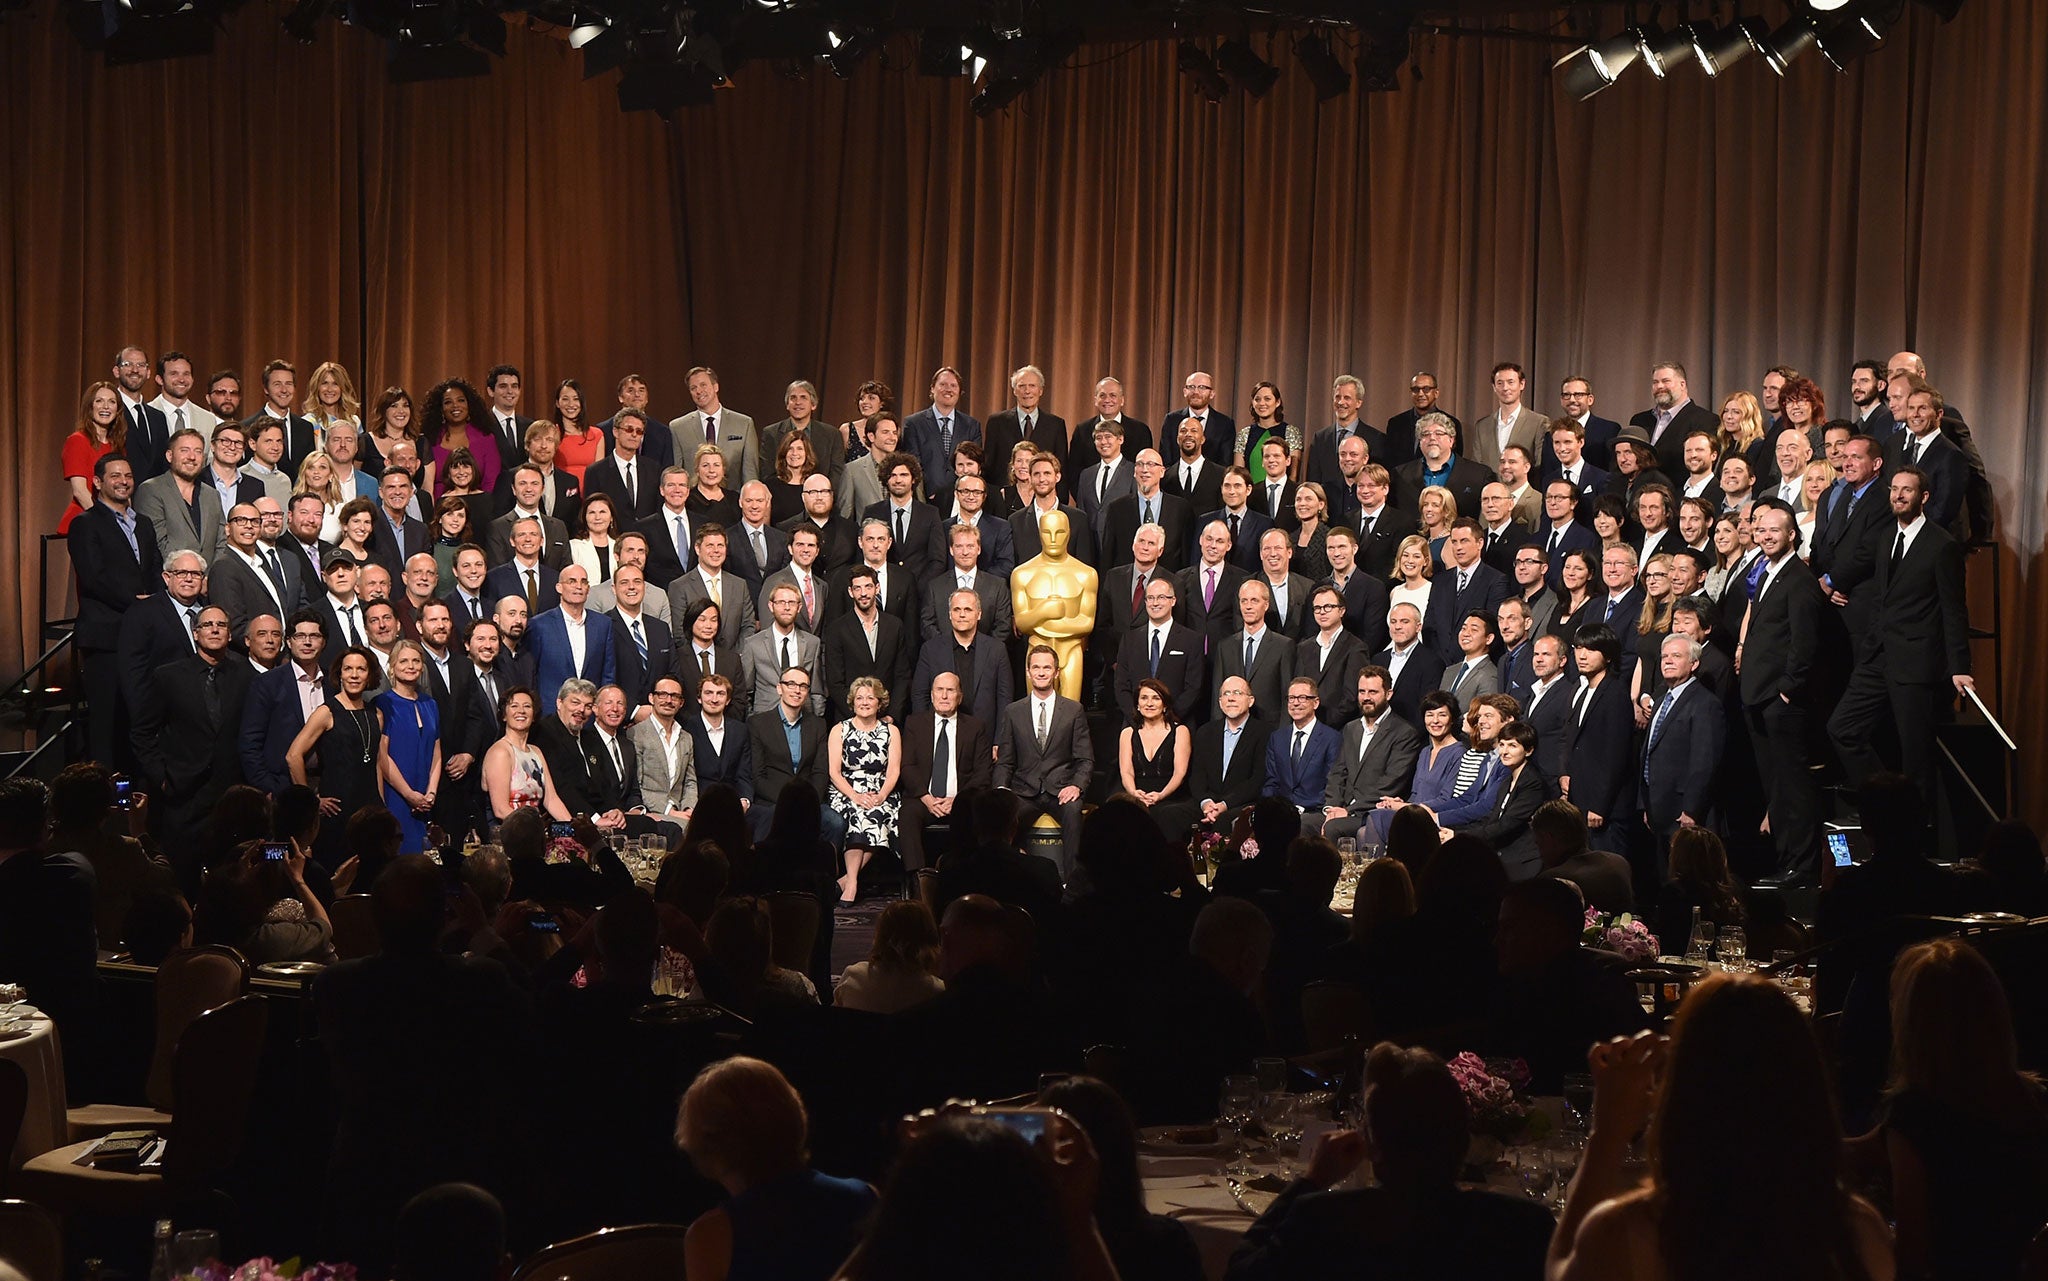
460,610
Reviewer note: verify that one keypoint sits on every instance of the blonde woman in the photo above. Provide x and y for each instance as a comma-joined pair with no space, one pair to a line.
864,760
1653,624
1813,486
316,476
1439,510
331,398
1413,567
1741,433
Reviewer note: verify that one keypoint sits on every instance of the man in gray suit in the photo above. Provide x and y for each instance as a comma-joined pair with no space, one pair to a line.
828,451
1043,753
960,574
1376,759
1475,673
711,579
249,579
777,647
814,590
632,550
1511,423
1271,655
861,486
666,755
1108,478
174,499
731,431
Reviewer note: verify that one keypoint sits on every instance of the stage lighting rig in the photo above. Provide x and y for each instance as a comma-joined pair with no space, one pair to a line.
1328,76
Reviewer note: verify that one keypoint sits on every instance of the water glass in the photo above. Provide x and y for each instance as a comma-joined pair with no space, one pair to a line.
1271,1074
1700,947
1237,1106
1578,1101
193,1249
1733,947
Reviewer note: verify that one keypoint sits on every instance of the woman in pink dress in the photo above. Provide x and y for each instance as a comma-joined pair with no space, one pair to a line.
448,422
102,429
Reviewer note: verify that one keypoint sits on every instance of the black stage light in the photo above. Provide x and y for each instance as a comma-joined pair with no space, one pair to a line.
1324,71
1719,50
1591,68
942,52
1197,67
303,22
849,48
1387,45
1245,69
1856,33
1789,41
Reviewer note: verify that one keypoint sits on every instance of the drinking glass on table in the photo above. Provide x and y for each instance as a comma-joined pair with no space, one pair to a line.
1578,1101
1236,1108
193,1249
1733,947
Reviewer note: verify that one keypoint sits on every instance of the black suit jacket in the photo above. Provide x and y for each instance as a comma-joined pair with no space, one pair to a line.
146,449
1003,432
1419,675
1487,588
844,653
1244,548
1839,541
1400,438
110,576
740,558
1378,550
1499,549
554,547
604,477
509,580
1242,783
914,551
1784,636
1670,447
1322,455
610,788
972,754
1598,448
636,678
298,439
838,544
1207,492
1365,609
183,751
773,768
1080,535
724,662
984,693
152,634
1683,758
567,506
245,593
470,724
1219,438
1219,618
1467,478
1336,677
571,768
1507,827
461,613
1599,751
1120,525
1551,718
1272,667
1181,666
1948,477
897,598
1923,633
734,766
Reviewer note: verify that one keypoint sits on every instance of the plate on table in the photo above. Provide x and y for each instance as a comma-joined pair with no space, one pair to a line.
1184,1140
16,1031
289,969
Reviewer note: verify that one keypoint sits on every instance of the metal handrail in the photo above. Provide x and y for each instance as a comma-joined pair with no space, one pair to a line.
62,643
23,765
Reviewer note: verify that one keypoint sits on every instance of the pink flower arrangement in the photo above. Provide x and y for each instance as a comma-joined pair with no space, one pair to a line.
1492,1094
1248,848
1625,934
265,1269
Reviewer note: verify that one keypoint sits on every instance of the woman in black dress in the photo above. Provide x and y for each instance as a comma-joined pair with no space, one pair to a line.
1152,755
1578,573
346,730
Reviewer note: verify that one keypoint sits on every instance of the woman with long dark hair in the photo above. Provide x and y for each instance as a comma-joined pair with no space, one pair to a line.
450,420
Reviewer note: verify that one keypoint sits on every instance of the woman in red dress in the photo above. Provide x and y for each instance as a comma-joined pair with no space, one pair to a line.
102,429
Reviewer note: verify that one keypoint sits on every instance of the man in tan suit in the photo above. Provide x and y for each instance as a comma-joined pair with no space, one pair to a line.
731,431
1510,424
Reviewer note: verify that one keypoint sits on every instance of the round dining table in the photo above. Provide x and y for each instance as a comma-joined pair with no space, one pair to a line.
31,1041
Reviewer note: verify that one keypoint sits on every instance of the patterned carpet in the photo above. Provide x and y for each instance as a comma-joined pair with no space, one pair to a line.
853,929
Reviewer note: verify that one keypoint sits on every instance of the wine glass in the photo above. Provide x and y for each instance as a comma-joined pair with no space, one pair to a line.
1578,1100
1733,947
1238,1104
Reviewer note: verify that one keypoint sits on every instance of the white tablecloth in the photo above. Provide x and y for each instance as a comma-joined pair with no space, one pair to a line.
43,1126
1192,1191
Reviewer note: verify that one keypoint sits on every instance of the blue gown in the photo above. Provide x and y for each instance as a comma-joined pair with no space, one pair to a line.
412,726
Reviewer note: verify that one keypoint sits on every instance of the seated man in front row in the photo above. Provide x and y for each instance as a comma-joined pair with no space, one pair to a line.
1044,753
787,742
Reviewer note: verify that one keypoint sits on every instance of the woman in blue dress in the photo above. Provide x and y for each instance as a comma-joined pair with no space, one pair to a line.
409,758
1436,770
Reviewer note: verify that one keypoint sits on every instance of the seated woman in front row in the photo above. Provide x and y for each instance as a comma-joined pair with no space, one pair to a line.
1518,794
515,773
1436,770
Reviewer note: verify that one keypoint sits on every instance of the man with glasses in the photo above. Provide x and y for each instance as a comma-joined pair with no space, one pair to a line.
665,754
997,549
1402,443
787,742
1301,753
187,732
1149,504
1215,431
230,450
280,700
769,655
163,627
1161,647
149,431
1331,657
1439,465
837,541
244,580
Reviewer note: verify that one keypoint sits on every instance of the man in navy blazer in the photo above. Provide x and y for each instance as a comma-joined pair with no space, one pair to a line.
547,640
1483,589
731,760
1596,434
509,579
1562,530
636,674
1240,521
932,432
273,712
1302,750
1922,445
1682,749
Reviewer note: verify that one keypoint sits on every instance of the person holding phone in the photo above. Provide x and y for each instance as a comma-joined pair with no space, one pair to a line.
260,905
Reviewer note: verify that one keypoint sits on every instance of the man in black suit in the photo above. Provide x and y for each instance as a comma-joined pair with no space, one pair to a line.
1332,656
276,704
1273,498
1191,474
721,743
1208,587
559,495
187,733
1414,666
1849,522
1563,531
912,524
838,540
1463,585
1365,596
468,600
1081,451
865,641
302,542
1215,432
755,548
115,559
1775,657
395,536
1226,764
1547,704
1681,749
642,644
280,388
959,573
1379,522
967,504
1401,443
1263,656
700,652
148,431
526,499
1595,438
243,580
776,766
161,627
507,425
1347,396
1438,466
981,661
1121,604
615,768
1008,428
1923,445
630,481
1045,754
1672,414
526,575
1620,604
946,753
1024,539
1500,533
470,723
1241,521
1917,658
1159,647
1375,759
1289,590
1149,505
1602,774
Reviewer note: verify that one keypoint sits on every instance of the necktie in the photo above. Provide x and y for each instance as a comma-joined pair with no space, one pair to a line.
760,548
192,625
1041,726
1155,651
1299,734
682,542
714,583
1365,524
810,602
786,664
489,683
1233,530
1102,486
1571,477
212,695
1756,574
946,434
711,428
1145,513
1657,730
349,625
631,492
141,420
181,427
640,641
1556,537
1464,580
1898,551
1187,479
1273,497
509,427
1250,647
1464,670
276,568
902,533
532,592
1208,587
704,662
618,761
1138,596
1914,449
942,762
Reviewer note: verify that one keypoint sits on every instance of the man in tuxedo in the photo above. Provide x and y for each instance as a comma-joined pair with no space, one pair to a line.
864,641
396,537
1241,521
181,509
980,660
665,754
722,741
1108,478
1194,476
1044,754
301,437
787,742
1509,424
278,702
912,524
1671,415
995,548
1008,428
1024,537
188,728
755,548
1263,656
507,425
1375,758
1438,466
828,451
1681,750
1365,597
243,581
1331,657
1924,445
623,475
1916,660
1501,535
527,481
1465,584
115,560
148,430
571,640
1226,765
642,643
525,574
1775,658
1274,497
932,432
768,654
1595,436
1208,588
1109,408
946,753
1413,667
1164,649
468,601
1302,753
837,538
732,431
1347,395
1423,391
961,574
1148,504
711,580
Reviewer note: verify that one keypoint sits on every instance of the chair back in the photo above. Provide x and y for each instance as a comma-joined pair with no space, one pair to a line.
610,1254
1332,1011
188,984
30,1239
928,889
13,1107
2034,1262
213,1076
355,929
793,919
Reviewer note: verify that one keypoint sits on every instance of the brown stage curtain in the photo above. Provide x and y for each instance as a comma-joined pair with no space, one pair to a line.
279,199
